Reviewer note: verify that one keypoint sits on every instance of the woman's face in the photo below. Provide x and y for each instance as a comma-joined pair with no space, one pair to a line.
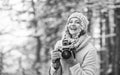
74,25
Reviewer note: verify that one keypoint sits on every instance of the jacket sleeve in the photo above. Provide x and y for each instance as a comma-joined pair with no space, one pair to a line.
89,65
52,70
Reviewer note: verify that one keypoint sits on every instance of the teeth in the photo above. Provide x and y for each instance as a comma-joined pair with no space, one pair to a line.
73,28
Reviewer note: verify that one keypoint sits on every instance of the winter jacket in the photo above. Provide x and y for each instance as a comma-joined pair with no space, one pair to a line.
86,57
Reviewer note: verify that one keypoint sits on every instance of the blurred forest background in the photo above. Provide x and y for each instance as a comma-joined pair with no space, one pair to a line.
30,28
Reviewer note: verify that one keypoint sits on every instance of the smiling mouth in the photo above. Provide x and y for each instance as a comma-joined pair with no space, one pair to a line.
73,28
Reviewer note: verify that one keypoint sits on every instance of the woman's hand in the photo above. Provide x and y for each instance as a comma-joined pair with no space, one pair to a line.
55,57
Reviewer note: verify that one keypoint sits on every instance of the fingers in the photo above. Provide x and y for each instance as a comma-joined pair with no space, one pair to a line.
55,55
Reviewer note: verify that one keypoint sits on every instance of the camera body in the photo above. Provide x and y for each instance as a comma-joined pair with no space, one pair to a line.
67,52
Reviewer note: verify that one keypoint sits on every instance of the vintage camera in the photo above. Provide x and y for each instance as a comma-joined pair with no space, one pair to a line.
67,52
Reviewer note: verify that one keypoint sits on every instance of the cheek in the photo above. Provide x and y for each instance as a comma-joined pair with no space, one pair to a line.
68,27
79,29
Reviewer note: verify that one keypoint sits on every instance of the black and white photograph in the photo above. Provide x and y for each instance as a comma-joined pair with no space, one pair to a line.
59,37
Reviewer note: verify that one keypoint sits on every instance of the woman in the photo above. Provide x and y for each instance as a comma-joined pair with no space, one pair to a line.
83,60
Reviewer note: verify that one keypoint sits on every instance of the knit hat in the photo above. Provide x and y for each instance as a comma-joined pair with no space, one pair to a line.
83,19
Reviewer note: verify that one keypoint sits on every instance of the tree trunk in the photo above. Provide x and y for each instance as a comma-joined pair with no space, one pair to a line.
1,62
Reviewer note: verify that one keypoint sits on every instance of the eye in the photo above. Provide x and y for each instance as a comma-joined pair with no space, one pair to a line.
70,21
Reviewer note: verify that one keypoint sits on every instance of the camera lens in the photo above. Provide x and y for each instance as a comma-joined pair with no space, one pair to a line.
66,54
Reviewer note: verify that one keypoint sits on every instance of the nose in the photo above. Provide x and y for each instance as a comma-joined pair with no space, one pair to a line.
73,24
